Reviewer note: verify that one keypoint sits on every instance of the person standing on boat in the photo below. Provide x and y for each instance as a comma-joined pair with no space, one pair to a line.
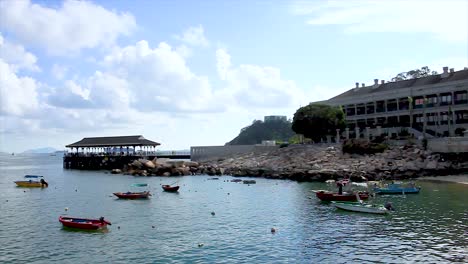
340,187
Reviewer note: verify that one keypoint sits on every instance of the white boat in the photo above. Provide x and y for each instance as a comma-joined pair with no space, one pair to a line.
361,207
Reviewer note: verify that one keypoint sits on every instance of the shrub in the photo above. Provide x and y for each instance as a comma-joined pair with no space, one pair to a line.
359,146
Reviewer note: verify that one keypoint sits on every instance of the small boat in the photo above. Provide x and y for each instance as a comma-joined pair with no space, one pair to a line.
168,188
133,195
34,181
249,181
333,196
397,188
236,180
362,207
83,223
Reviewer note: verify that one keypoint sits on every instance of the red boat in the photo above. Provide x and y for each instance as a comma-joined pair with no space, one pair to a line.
83,223
169,188
133,195
333,196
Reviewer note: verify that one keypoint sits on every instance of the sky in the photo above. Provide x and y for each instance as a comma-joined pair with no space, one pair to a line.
193,73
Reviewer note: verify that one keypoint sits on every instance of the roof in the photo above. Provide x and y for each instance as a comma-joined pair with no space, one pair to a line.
113,141
389,86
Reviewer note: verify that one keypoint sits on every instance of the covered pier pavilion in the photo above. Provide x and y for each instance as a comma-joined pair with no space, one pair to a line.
96,153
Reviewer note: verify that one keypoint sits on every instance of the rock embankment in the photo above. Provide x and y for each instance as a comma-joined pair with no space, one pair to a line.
310,163
313,163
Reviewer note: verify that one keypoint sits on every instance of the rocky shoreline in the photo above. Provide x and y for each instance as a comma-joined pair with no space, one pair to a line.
312,163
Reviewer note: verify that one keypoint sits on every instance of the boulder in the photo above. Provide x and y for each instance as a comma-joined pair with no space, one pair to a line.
116,171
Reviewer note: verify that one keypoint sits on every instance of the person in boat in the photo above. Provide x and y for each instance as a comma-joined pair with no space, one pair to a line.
340,187
101,219
44,183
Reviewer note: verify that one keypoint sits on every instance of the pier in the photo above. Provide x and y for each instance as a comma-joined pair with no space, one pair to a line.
106,153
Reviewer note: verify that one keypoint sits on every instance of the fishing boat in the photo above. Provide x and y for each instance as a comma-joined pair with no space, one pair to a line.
397,188
134,195
333,196
169,188
361,207
83,223
33,181
249,182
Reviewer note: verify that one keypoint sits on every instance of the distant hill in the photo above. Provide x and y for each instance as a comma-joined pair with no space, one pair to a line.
279,130
40,150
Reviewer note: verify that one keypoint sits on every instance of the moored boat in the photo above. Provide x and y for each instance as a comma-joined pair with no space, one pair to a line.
169,188
361,207
34,181
396,188
333,196
249,181
133,195
84,223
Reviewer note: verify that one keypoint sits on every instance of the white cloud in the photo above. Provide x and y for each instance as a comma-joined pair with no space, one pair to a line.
73,26
16,56
446,20
158,79
223,63
194,36
254,86
18,95
59,71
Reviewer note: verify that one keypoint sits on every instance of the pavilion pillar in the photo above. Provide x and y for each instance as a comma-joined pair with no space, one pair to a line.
338,136
347,132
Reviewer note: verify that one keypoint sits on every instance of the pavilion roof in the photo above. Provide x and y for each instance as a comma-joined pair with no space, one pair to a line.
113,142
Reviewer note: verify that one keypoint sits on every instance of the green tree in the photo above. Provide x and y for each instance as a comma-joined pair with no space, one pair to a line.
316,121
278,130
413,74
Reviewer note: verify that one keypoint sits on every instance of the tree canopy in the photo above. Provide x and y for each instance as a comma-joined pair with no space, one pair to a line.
278,130
316,121
413,74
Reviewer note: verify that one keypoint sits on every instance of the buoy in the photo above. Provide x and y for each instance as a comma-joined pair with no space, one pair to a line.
152,226
76,190
24,191
200,244
228,193
66,208
273,230
212,213
118,227
7,200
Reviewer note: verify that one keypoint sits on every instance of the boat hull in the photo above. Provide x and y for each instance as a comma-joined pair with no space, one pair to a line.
83,223
30,184
361,208
331,196
396,190
133,195
168,188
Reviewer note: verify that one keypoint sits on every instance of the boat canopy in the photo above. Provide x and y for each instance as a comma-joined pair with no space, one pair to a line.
33,176
139,185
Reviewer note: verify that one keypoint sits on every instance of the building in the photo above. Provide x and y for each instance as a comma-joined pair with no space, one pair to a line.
433,106
275,118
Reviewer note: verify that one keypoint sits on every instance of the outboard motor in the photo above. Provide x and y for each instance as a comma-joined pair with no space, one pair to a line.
389,206
44,183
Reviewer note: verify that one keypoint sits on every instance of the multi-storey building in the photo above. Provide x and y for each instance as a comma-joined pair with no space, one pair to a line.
275,118
436,104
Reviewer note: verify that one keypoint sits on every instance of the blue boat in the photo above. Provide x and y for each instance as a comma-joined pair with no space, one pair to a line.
396,188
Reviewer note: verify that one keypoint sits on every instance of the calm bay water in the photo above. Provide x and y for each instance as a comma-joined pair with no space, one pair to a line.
429,227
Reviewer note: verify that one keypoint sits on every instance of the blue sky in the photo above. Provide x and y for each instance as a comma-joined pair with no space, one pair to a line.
188,73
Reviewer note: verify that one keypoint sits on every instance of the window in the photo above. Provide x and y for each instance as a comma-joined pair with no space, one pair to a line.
446,99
